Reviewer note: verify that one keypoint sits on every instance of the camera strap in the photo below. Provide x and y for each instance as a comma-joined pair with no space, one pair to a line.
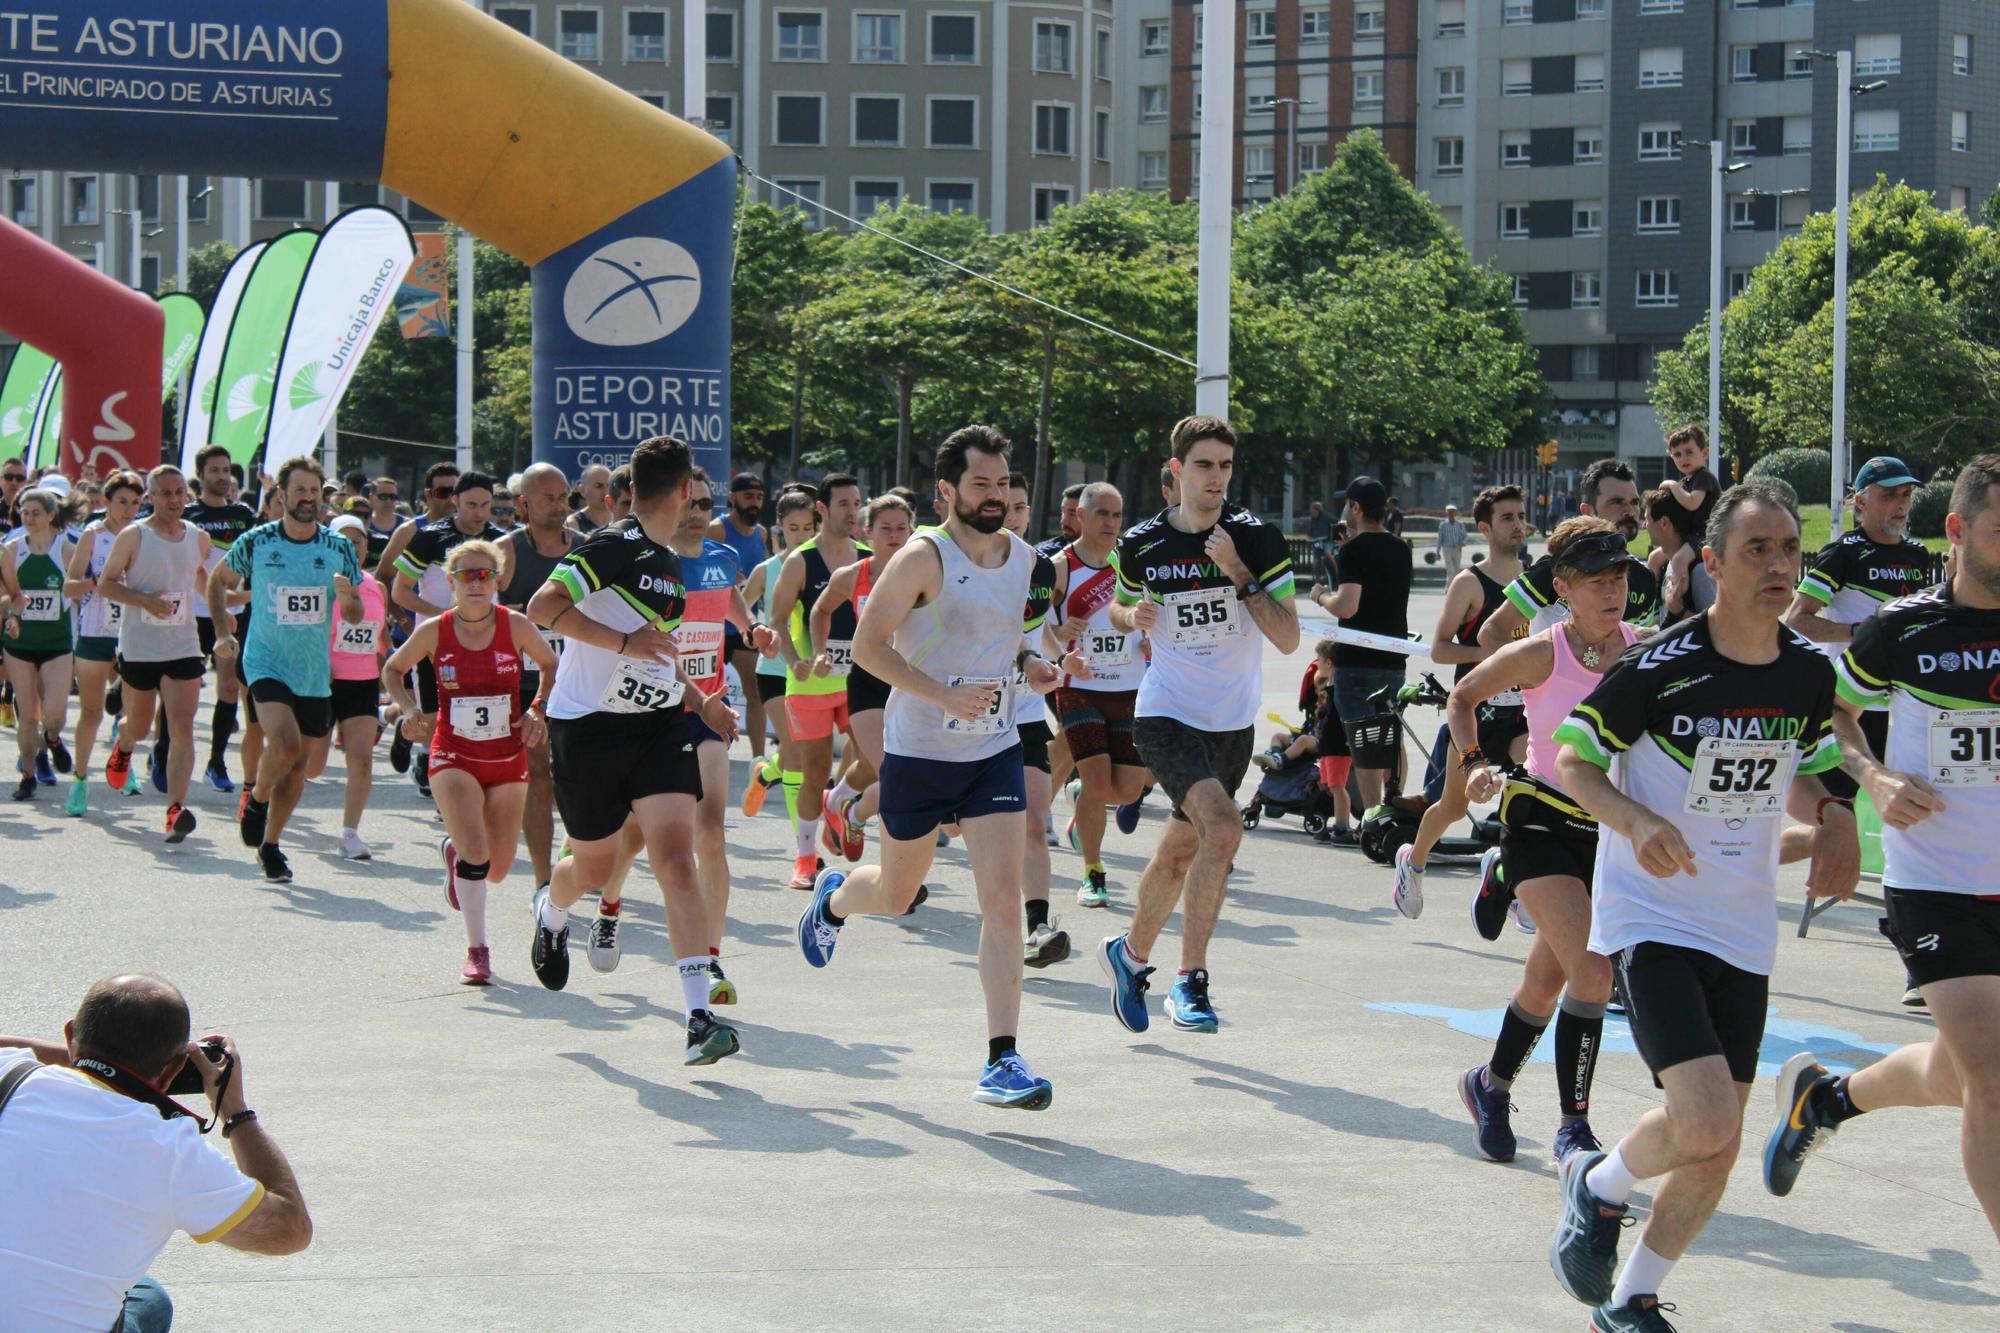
123,1080
13,1079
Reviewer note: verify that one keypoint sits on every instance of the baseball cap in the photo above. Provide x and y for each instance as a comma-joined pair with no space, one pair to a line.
1367,492
348,522
745,481
1451,509
56,483
1883,470
1596,552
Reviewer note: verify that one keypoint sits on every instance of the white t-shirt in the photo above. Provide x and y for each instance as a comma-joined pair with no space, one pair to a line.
95,1186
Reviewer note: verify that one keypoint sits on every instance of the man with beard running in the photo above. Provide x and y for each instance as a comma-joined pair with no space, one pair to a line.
943,630
1207,583
740,527
529,555
224,520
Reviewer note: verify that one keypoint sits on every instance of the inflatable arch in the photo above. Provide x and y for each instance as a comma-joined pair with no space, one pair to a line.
623,212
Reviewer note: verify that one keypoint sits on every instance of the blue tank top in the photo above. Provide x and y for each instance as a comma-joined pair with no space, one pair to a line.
749,546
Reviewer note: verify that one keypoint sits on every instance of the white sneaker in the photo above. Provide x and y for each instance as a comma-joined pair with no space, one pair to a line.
353,849
1522,921
1409,894
1046,944
1049,830
602,950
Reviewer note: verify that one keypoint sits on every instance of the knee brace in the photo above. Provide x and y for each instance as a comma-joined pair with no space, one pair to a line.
474,869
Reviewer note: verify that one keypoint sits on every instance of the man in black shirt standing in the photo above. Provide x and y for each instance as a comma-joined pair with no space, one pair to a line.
1372,593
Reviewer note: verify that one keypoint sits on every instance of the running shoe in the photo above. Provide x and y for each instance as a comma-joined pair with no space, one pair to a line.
58,754
805,870
817,935
1049,829
420,772
1010,1083
1128,813
1490,903
1409,892
761,782
842,836
277,870
156,766
1584,1250
1046,945
1913,997
1491,1112
943,837
1801,1130
1641,1314
1575,1136
79,797
131,784
26,791
923,896
180,823
251,820
45,772
352,848
478,966
1129,982
1073,836
549,955
721,990
6,714
709,1039
1268,760
1095,891
218,777
602,948
1188,1003
1522,921
449,855
399,751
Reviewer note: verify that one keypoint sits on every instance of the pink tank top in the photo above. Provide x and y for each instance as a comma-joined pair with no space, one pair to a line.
1557,697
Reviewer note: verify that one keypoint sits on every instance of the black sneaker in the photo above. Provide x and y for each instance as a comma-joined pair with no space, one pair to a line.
420,773
1801,1130
26,791
1584,1250
1336,835
550,954
923,896
277,870
1490,903
1492,1115
399,751
58,753
1641,1314
251,825
709,1039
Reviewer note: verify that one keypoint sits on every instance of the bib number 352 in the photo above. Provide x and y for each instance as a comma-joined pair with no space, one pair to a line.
640,687
1740,779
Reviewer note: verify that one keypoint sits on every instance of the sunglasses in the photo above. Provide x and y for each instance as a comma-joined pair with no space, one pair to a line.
445,492
383,495
702,504
14,476
474,575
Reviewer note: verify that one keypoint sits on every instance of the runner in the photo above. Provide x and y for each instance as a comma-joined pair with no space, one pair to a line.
740,527
1607,492
1718,726
816,691
527,558
39,643
1501,515
1045,943
1069,525
357,652
1096,710
943,631
97,619
224,520
440,497
595,511
619,730
294,569
798,520
383,520
1930,659
1207,582
478,738
154,571
1551,841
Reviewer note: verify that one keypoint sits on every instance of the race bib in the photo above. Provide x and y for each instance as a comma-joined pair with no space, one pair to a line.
300,606
1507,699
41,604
114,614
640,687
700,648
552,639
998,716
732,685
485,717
360,637
1965,747
1200,615
840,655
1740,779
1107,649
176,616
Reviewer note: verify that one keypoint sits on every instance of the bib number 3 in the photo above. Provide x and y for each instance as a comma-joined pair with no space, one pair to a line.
486,717
1965,747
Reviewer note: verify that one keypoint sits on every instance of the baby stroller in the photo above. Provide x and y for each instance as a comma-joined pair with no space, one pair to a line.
1394,823
1293,788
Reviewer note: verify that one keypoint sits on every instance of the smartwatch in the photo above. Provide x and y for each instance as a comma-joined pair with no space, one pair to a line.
1249,590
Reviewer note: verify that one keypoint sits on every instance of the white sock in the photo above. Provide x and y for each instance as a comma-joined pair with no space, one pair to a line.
1611,1180
694,983
841,794
1642,1275
472,906
553,917
808,836
347,832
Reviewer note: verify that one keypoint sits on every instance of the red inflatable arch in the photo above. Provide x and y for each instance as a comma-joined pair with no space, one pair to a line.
106,337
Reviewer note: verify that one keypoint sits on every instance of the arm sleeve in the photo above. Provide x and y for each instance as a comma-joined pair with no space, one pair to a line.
210,1196
1611,717
1865,672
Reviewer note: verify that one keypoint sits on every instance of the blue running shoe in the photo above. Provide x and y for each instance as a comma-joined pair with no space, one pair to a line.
1128,983
1188,1004
817,935
1128,815
1575,1136
1490,1111
1009,1082
1803,1127
1584,1250
156,767
45,772
218,778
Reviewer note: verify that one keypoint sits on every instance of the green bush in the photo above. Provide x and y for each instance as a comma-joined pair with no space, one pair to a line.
1809,472
1930,504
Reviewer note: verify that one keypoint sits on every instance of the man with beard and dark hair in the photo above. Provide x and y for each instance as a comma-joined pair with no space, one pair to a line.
1609,493
740,527
1071,523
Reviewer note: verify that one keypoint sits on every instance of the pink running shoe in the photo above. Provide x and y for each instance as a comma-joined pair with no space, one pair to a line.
478,967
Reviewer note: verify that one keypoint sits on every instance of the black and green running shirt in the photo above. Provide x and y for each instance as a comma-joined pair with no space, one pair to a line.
423,557
1710,744
1533,594
1855,576
620,578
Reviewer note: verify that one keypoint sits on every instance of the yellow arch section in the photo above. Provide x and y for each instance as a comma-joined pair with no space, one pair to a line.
515,143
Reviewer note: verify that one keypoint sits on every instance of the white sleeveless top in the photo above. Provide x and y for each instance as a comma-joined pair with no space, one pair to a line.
169,569
972,632
98,616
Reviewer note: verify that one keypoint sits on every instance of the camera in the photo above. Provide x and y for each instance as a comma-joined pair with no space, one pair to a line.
188,1081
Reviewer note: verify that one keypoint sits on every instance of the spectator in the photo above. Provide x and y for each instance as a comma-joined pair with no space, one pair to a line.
1319,527
102,1167
1451,542
1371,593
1170,486
354,485
1393,523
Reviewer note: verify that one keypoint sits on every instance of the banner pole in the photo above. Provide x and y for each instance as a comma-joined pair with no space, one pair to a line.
464,334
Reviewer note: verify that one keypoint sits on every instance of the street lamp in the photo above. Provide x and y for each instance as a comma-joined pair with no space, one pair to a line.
1291,131
1723,168
1843,129
134,220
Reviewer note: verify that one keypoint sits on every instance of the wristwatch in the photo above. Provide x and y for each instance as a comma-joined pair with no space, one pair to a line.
1249,590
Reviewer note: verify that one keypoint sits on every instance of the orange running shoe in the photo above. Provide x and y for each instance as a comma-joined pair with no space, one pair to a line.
117,768
806,870
761,782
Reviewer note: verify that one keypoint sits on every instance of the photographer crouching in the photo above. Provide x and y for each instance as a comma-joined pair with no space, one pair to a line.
102,1166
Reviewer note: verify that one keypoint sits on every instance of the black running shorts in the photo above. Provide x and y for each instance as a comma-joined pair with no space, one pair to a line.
1034,741
1683,1004
865,692
146,676
605,762
1943,936
1181,756
313,712
1545,833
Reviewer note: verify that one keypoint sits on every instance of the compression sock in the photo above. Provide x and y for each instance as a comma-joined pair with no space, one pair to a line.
1610,1180
1579,1032
1038,913
793,781
997,1047
694,984
1642,1275
470,877
221,727
1519,1031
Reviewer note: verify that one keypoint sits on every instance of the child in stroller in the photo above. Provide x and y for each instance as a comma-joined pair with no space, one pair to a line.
1306,769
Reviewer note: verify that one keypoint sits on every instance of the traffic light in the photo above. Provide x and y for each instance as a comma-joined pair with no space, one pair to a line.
1545,453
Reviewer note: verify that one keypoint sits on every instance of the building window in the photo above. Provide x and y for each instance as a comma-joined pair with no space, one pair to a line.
1587,218
1589,9
1662,6
1660,67
878,122
645,36
578,33
1589,74
1742,212
1659,214
1583,359
1878,131
878,39
1798,65
652,99
722,38
1052,129
24,201
1153,102
1878,53
520,18
1739,281
1451,85
1961,53
801,120
1660,141
1656,288
802,193
1100,55
1100,142
1513,222
1451,18
149,272
418,215
719,115
281,200
1370,23
1588,147
1517,78
1367,88
951,196
1514,148
1586,291
954,39
1154,36
1743,136
954,122
1152,171
199,190
1520,291
149,197
1743,64
1517,13
358,194
1961,131
1793,210
1053,48
1260,164
1315,25
1313,158
870,195
801,35
1798,136
1450,156
1048,198
1961,199
1261,28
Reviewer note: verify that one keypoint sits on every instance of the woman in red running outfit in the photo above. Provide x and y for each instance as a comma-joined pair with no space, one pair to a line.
479,757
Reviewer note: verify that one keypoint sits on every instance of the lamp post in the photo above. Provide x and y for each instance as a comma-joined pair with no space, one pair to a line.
1291,132
1218,158
1722,168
